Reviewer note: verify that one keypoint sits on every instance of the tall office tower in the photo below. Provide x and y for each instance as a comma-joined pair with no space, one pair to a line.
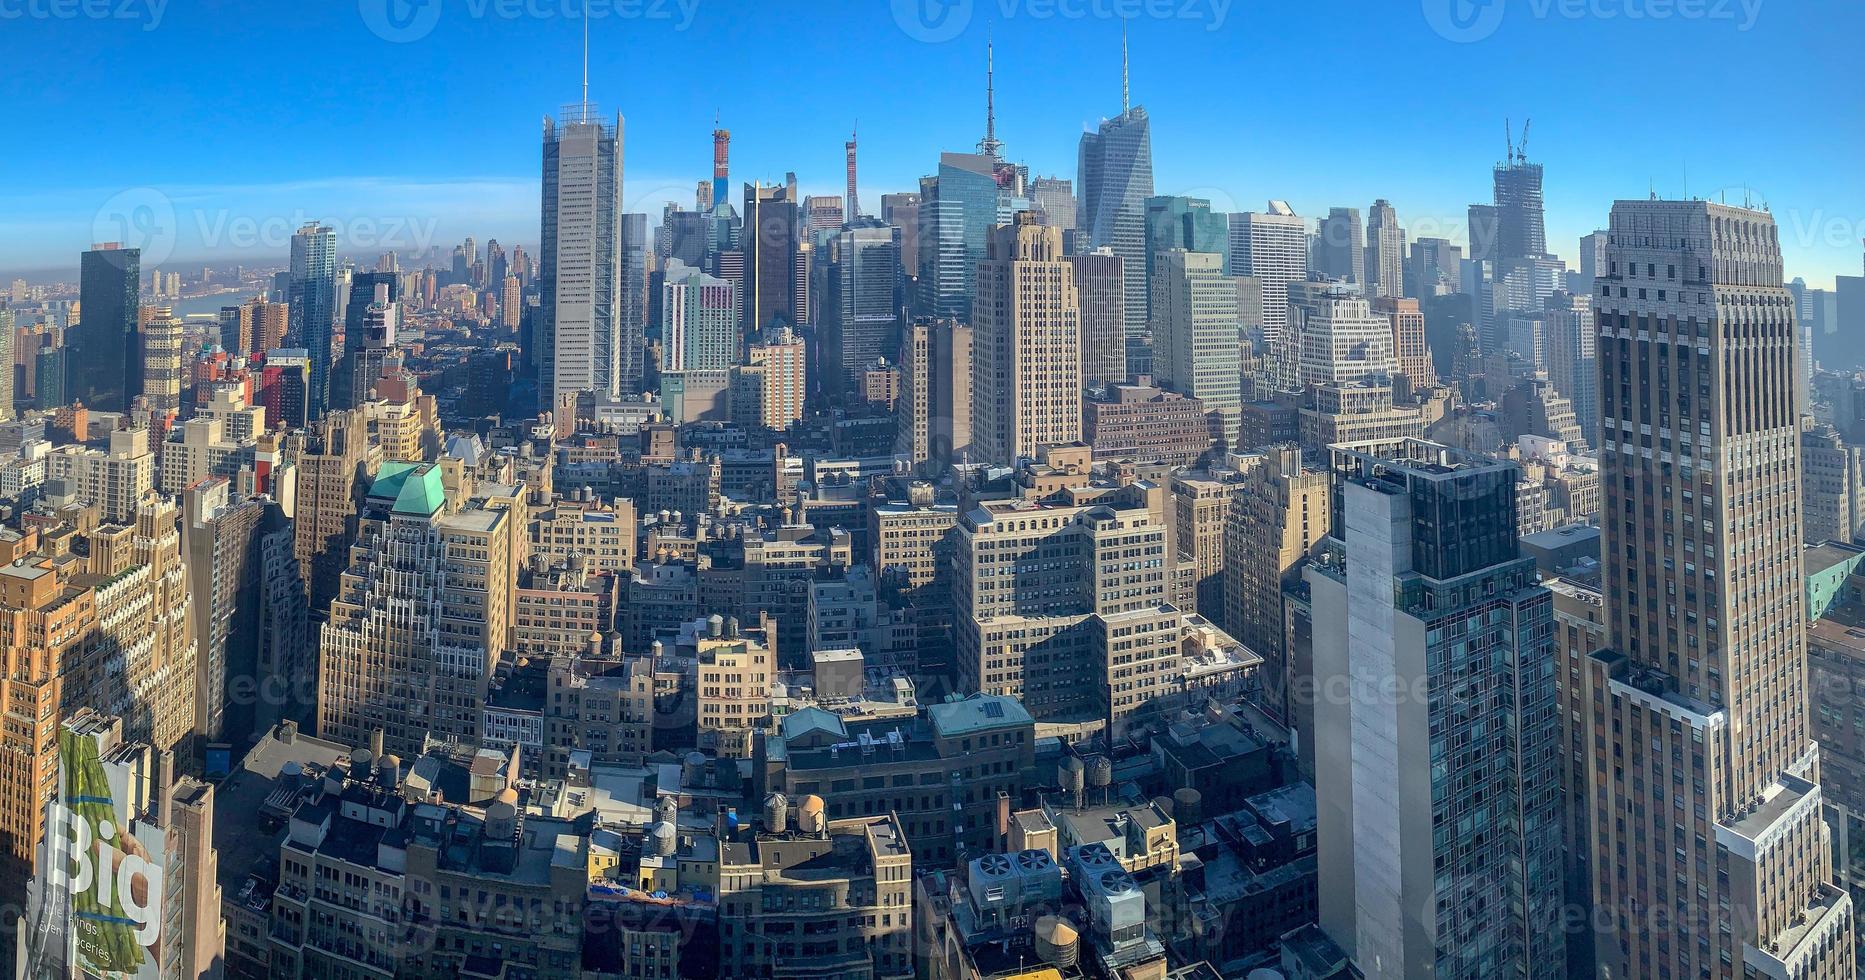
1706,605
1572,345
1278,515
369,321
577,338
1520,232
496,264
511,303
1055,198
767,391
1194,314
903,212
631,342
314,308
934,409
1450,720
335,460
1114,175
1026,368
1410,356
104,360
161,361
772,233
222,537
699,320
1187,223
7,361
1340,246
870,302
421,619
1101,282
1831,508
1271,248
1436,268
1334,337
51,376
822,213
971,195
1385,251
851,208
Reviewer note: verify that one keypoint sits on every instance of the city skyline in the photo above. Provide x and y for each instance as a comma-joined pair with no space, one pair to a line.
474,176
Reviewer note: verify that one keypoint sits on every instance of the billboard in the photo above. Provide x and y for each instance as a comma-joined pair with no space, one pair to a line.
98,894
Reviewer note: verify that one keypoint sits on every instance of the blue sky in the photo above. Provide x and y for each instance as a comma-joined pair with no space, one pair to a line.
213,127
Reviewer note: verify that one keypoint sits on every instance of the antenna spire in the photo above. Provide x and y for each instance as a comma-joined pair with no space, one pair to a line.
585,57
990,145
1126,104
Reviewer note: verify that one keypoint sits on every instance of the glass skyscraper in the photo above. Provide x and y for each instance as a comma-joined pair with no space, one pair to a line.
106,362
958,209
1114,179
314,308
577,340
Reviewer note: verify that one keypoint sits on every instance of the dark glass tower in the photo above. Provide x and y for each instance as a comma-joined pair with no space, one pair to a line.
105,362
314,308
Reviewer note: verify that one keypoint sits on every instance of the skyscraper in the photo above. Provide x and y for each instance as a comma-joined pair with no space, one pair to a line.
314,308
631,339
578,335
1272,248
1194,315
1114,176
1708,844
934,410
1385,252
771,235
851,207
1340,245
1333,337
1410,356
161,361
1101,283
366,339
104,357
1026,367
1437,768
1174,221
699,320
867,325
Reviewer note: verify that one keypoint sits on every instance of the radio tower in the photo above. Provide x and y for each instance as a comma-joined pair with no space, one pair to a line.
852,209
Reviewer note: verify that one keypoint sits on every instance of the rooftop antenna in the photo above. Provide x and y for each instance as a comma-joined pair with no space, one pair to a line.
1125,103
586,59
989,146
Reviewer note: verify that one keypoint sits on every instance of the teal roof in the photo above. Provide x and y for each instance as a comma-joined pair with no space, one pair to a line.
978,712
414,488
800,723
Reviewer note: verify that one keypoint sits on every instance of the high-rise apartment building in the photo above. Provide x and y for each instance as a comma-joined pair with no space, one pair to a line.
768,390
699,320
1026,366
104,358
314,308
1447,719
578,338
161,361
771,238
1114,176
1385,252
1272,248
1710,856
1194,318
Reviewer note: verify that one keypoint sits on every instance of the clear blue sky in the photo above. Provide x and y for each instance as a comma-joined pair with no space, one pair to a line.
410,123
